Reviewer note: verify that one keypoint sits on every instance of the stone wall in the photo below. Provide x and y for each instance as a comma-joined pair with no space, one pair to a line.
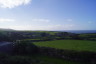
79,56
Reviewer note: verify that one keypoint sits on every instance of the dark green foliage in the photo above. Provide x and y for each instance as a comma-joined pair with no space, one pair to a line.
43,35
36,59
89,36
8,59
4,37
24,47
18,60
71,55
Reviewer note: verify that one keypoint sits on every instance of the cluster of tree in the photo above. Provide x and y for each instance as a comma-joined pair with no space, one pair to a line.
67,35
4,37
89,36
24,48
9,59
20,54
21,35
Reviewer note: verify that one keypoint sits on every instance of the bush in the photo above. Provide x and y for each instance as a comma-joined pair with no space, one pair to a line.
24,47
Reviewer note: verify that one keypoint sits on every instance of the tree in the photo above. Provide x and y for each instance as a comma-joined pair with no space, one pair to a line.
24,47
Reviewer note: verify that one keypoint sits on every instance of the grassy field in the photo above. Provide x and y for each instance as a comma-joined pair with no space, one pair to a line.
49,32
78,45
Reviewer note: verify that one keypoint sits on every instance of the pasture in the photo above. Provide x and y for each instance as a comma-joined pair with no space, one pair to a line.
77,45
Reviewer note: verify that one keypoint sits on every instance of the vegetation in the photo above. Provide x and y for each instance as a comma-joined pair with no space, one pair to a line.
24,48
37,59
43,35
50,47
27,48
27,53
88,36
78,45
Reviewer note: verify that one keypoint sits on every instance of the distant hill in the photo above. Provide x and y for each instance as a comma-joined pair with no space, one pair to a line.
4,29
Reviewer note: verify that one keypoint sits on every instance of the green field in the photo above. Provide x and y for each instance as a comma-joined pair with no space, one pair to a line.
78,45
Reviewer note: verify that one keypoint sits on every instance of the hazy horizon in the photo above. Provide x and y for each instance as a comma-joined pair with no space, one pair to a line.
48,14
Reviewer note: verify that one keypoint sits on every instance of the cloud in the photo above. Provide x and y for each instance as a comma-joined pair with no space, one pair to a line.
60,27
3,20
13,3
19,27
41,20
48,27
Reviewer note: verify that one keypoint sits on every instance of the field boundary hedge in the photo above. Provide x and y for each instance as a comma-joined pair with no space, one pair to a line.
79,56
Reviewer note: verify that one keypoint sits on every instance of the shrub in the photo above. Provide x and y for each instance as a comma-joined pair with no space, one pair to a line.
24,47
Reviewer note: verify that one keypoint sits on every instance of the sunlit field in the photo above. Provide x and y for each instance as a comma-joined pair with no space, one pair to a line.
78,45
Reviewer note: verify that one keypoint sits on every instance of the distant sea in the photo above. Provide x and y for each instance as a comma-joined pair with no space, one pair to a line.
79,31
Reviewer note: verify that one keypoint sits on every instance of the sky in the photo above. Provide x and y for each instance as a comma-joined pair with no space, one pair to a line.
48,14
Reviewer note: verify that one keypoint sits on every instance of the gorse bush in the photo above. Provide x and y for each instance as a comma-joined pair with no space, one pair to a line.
24,47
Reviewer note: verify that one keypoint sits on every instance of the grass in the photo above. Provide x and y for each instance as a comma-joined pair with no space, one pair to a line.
78,45
87,35
51,60
49,32
36,59
40,59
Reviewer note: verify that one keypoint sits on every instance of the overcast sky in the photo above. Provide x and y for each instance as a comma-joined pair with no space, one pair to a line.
48,14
